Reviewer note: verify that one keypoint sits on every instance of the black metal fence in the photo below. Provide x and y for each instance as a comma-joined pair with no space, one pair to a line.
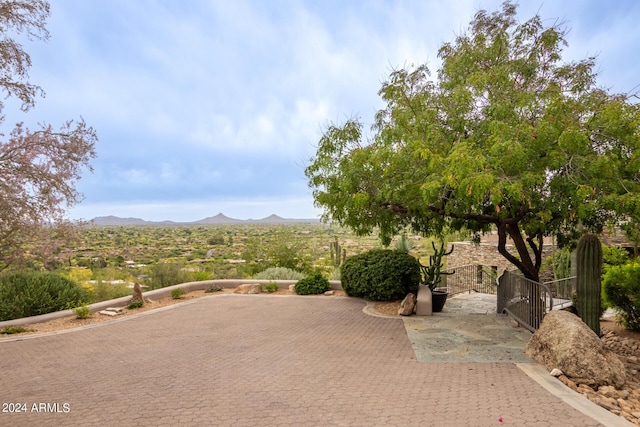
525,300
472,277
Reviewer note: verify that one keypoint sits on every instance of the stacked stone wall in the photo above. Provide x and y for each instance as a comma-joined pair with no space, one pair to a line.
485,254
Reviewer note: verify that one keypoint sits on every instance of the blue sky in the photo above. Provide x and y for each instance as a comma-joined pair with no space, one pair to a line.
216,106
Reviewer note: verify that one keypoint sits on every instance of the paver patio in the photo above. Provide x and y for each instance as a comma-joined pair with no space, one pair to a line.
262,360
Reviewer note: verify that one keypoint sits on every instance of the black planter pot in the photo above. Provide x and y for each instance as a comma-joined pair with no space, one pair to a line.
438,298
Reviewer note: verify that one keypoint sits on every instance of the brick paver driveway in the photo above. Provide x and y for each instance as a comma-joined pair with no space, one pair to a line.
260,360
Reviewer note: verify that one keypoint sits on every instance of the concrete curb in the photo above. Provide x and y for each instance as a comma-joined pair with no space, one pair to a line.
155,294
579,402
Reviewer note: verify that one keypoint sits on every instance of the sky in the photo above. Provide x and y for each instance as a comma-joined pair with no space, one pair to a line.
214,106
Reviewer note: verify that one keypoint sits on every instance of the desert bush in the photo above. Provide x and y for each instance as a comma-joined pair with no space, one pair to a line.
165,274
279,273
105,291
311,285
280,249
135,303
82,312
335,274
270,287
178,293
9,330
34,293
380,275
621,290
79,274
613,255
198,276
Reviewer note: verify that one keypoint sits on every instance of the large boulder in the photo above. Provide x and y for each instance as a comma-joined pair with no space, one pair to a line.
567,343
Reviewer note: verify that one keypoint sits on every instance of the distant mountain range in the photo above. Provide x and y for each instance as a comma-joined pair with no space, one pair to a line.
218,219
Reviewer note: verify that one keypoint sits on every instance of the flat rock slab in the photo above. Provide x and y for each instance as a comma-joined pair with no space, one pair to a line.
467,338
109,313
470,303
467,330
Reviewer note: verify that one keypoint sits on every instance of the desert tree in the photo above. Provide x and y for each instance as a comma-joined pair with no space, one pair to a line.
38,168
507,137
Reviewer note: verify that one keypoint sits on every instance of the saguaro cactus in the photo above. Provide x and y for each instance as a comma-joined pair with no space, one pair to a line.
338,254
588,278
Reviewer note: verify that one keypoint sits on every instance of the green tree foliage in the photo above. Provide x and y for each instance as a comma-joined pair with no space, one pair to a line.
380,275
614,255
506,137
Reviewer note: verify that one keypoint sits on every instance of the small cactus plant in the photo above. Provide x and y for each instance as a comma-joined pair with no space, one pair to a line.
588,277
432,273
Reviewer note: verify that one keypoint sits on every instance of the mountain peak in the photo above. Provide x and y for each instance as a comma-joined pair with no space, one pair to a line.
219,218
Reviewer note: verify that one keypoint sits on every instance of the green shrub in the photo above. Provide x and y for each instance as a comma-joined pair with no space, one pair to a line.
279,273
178,293
105,291
82,312
380,275
10,330
166,274
621,289
197,276
312,285
135,303
34,293
270,287
614,255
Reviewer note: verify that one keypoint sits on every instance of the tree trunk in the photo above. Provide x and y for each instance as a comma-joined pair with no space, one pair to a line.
523,262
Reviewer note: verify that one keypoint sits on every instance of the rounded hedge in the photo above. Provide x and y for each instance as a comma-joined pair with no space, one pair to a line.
380,275
312,285
33,293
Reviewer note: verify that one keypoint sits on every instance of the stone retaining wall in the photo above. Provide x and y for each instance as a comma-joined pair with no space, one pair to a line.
486,254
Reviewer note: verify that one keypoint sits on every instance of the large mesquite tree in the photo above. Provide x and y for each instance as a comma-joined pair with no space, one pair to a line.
38,169
507,137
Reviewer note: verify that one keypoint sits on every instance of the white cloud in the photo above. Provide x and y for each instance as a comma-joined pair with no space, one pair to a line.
219,99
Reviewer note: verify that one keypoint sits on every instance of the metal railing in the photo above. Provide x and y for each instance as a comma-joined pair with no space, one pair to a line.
562,291
525,300
471,277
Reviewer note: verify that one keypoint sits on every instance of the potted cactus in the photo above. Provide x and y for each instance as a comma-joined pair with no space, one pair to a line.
432,276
